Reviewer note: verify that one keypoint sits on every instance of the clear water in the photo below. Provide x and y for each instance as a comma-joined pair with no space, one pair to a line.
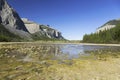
76,50
36,52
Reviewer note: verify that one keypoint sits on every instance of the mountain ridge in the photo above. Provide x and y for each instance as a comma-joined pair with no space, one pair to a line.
108,33
42,30
11,20
108,25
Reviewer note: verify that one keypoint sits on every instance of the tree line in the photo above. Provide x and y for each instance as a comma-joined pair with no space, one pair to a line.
107,36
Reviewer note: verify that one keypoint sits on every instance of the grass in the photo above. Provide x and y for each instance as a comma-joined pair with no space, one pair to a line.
7,36
98,65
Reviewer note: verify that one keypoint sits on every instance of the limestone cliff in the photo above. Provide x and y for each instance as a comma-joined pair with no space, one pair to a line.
27,30
110,24
11,20
8,16
41,30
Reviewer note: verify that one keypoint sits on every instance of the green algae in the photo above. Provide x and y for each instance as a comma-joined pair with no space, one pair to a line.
41,66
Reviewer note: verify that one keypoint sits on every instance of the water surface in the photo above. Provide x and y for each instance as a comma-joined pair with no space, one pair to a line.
38,52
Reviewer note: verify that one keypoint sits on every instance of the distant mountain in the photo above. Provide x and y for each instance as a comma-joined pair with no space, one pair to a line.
26,30
108,33
110,24
40,30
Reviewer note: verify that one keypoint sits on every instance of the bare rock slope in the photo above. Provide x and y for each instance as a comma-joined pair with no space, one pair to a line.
24,28
11,20
110,24
41,30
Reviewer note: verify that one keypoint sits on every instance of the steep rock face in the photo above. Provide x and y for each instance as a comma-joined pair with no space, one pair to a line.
110,24
11,20
41,30
105,27
27,30
8,16
31,26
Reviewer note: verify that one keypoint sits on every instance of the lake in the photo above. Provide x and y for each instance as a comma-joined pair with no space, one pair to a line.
38,61
36,52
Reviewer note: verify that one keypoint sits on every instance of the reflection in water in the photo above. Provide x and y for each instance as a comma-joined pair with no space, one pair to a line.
72,50
43,61
38,52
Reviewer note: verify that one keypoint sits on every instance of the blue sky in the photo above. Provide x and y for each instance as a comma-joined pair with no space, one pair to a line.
73,18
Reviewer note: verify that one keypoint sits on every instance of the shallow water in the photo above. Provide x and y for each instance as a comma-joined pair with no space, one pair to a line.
37,52
42,61
76,50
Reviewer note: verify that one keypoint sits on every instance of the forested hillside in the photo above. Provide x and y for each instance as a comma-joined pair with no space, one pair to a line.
107,36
